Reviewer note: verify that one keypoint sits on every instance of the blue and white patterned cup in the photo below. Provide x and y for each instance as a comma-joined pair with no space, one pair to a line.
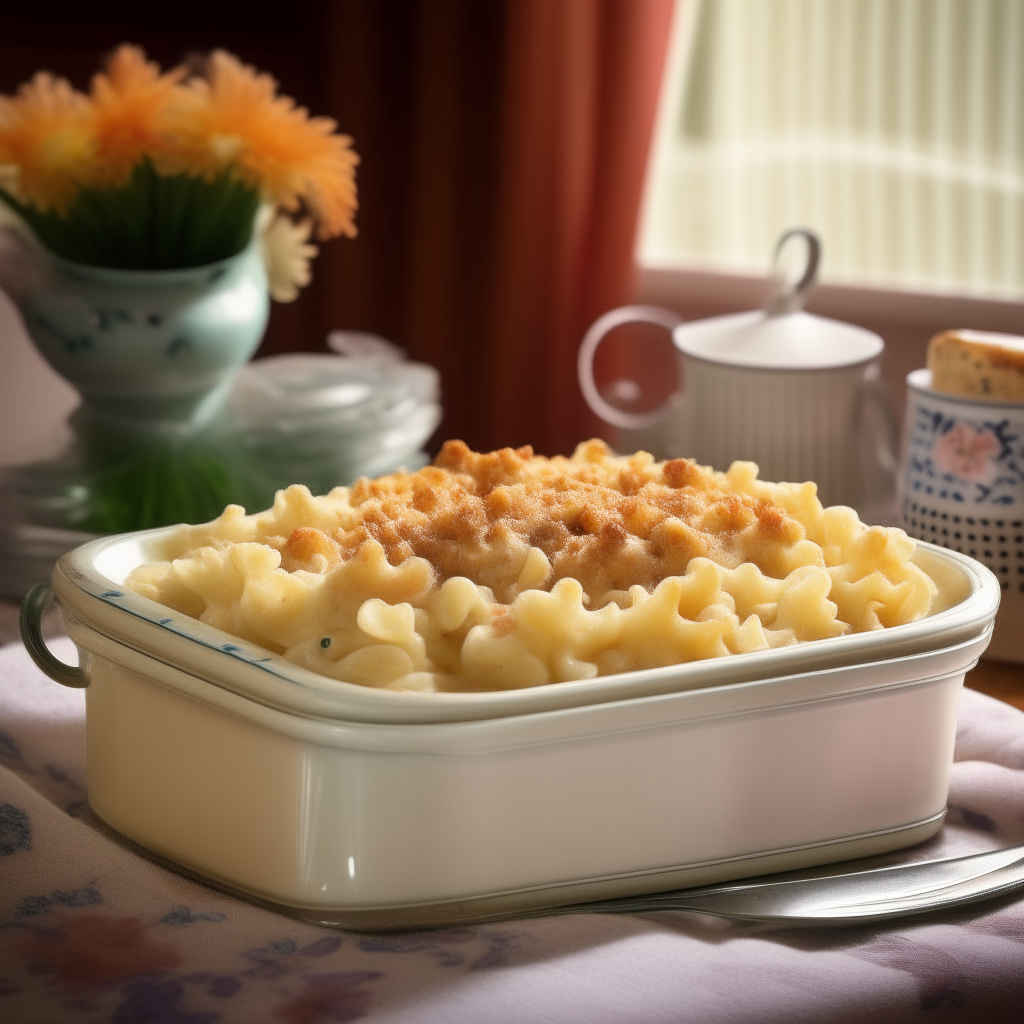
962,486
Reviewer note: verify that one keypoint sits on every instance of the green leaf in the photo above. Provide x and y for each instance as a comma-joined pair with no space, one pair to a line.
153,222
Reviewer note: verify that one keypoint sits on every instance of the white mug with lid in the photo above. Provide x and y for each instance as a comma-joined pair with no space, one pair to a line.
798,394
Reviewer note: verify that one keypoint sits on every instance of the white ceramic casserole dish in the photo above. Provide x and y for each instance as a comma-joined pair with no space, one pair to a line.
375,809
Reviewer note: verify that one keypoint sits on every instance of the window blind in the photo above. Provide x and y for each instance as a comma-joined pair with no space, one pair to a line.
892,127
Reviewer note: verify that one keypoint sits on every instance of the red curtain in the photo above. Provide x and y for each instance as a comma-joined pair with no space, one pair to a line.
504,149
581,89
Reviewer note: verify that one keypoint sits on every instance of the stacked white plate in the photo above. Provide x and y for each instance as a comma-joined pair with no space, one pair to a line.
318,419
327,419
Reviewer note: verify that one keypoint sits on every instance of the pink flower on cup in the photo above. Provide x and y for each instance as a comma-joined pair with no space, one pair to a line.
967,453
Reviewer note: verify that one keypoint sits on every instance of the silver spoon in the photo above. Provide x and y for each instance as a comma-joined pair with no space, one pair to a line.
857,896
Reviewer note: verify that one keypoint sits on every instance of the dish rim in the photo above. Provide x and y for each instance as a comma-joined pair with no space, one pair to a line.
104,604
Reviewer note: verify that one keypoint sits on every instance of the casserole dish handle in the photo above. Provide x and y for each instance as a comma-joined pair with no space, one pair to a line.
31,622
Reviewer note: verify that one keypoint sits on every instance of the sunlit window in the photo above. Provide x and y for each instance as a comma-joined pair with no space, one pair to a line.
894,128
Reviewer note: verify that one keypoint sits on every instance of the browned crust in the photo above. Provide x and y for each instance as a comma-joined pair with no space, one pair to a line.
977,364
608,522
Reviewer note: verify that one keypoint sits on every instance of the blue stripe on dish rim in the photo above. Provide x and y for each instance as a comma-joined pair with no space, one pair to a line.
240,650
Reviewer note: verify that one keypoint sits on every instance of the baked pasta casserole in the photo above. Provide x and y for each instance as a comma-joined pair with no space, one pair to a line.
506,569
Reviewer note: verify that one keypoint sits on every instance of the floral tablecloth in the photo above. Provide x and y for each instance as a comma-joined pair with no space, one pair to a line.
90,932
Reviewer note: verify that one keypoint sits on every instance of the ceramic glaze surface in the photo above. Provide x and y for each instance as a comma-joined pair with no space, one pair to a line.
90,581
372,809
963,481
967,452
790,341
807,426
149,345
799,395
317,821
962,486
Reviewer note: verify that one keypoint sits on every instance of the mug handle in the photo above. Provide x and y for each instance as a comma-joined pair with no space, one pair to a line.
588,349
883,459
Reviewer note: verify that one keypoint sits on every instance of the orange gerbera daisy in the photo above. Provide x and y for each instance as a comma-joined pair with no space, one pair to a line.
236,119
46,132
130,106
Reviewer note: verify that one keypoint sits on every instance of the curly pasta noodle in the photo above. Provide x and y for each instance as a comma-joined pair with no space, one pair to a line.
501,570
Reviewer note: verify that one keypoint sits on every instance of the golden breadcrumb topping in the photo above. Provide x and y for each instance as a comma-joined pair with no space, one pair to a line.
506,569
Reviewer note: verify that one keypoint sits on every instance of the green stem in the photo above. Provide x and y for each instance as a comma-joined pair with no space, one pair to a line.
153,222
